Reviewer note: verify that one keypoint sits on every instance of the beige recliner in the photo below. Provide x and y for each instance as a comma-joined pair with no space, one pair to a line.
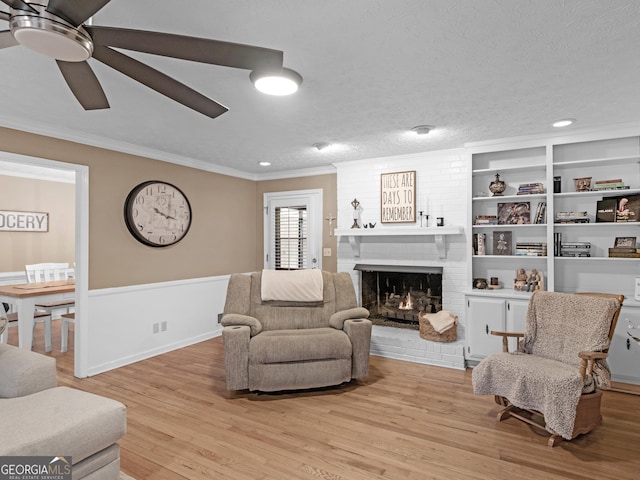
289,330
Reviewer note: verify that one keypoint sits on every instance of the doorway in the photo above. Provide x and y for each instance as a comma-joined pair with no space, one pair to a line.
293,230
81,257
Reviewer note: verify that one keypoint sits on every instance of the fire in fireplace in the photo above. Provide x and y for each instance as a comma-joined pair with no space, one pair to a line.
395,295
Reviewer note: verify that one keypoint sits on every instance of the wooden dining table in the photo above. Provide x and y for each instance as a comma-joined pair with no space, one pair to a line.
24,297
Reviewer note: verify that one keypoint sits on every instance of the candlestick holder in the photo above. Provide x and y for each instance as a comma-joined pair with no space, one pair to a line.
355,204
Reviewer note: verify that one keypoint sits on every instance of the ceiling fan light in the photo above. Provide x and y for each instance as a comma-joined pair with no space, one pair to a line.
51,36
283,82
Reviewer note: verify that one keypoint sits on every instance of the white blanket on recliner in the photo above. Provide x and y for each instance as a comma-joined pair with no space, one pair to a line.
292,285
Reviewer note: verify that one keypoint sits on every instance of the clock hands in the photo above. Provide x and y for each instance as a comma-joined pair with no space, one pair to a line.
168,217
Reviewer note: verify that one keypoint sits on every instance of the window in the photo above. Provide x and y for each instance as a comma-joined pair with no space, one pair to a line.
291,240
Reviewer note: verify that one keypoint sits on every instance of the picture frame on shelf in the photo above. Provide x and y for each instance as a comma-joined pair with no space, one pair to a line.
502,243
514,213
625,242
627,208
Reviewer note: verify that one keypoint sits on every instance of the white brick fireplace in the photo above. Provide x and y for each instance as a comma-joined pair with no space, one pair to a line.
441,181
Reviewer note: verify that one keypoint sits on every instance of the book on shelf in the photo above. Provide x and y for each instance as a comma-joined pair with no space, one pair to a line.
607,184
571,217
611,180
604,189
530,188
557,241
575,254
606,210
532,249
541,213
485,220
480,244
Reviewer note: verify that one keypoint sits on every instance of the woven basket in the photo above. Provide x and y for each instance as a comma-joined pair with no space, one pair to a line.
428,333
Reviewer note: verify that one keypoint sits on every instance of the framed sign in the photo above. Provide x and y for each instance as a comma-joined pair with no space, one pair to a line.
398,197
12,221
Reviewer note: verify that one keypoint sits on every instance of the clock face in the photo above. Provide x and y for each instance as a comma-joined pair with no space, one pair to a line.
157,213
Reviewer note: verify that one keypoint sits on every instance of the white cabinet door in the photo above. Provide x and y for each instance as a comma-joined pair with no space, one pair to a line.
516,318
624,352
483,315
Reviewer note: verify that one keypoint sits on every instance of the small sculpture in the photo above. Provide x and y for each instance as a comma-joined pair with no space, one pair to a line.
371,225
497,186
520,282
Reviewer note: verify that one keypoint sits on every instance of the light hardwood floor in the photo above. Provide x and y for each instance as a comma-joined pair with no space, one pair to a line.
406,422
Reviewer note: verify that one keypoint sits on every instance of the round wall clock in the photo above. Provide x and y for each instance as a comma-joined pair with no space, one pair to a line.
157,213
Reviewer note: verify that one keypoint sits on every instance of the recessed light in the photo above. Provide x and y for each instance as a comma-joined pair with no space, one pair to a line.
565,122
422,129
321,146
264,164
283,82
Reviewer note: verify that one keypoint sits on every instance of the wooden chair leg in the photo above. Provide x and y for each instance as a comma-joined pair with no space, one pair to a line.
504,413
554,440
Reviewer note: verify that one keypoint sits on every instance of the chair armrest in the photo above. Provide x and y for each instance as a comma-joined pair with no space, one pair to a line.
505,338
235,319
337,319
359,332
587,361
236,340
25,372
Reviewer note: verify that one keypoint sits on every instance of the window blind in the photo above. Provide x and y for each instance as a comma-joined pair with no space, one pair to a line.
291,238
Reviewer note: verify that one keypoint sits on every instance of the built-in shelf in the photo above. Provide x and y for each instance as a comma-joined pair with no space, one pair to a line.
439,233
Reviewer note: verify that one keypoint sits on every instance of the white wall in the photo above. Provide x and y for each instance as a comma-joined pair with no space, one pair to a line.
120,330
441,183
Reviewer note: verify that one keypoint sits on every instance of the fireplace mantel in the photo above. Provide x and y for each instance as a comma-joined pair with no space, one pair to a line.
439,233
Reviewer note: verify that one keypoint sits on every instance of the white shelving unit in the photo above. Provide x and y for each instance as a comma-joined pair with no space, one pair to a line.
605,155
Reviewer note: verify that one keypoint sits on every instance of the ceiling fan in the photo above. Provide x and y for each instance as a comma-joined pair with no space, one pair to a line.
56,29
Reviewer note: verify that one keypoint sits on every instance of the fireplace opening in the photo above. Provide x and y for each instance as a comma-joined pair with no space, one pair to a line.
395,295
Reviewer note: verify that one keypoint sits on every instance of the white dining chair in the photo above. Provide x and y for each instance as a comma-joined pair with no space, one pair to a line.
48,272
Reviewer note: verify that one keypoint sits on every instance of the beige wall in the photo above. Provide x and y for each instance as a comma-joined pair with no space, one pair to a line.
226,232
30,195
328,184
223,232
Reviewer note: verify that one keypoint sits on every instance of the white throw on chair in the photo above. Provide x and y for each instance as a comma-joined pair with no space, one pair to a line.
47,272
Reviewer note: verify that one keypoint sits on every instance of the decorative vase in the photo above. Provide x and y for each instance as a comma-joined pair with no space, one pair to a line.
497,186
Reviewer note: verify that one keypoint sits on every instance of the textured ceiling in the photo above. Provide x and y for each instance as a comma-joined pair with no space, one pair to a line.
476,69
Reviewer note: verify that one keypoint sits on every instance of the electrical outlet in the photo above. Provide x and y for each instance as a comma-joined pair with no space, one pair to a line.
637,289
163,326
156,328
326,252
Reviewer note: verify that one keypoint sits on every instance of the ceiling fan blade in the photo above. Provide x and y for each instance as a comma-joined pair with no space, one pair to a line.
188,48
83,84
75,11
5,16
19,5
7,40
158,81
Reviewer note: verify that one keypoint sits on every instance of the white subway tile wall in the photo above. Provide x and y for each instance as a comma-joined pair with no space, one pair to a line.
441,183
